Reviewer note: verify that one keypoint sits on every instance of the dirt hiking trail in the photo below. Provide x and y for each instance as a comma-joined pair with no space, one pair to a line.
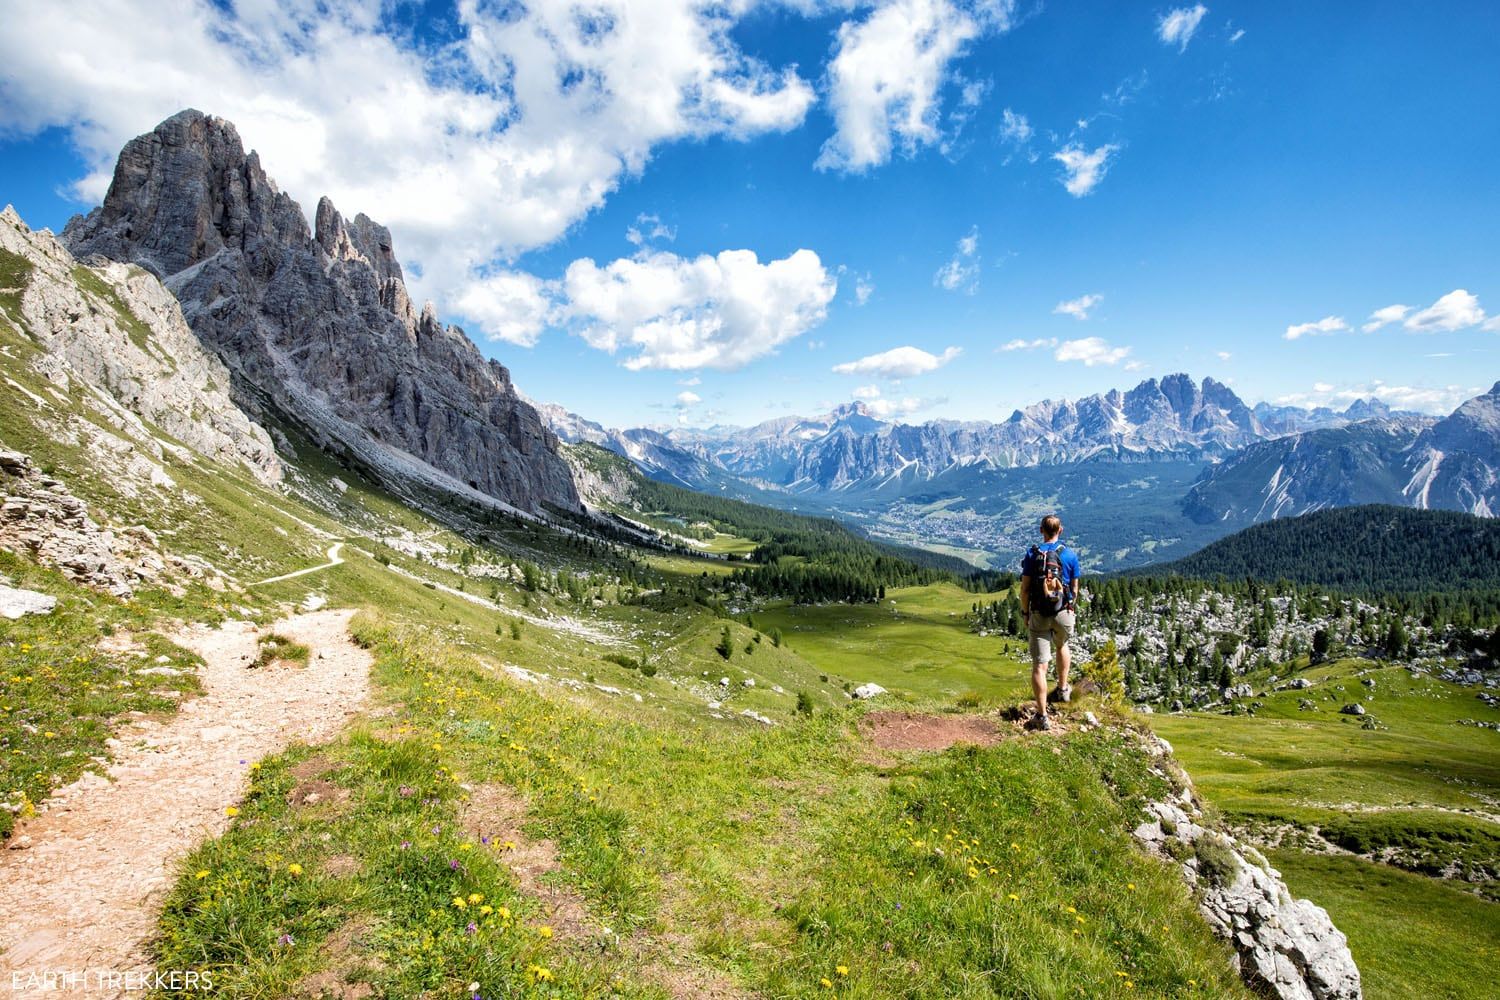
82,898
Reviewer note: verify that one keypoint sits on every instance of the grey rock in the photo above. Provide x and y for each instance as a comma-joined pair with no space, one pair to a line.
1285,947
16,603
51,526
867,691
1354,709
317,324
115,330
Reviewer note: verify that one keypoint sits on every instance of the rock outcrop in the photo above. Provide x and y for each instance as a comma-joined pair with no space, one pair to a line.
41,519
1286,947
317,324
114,339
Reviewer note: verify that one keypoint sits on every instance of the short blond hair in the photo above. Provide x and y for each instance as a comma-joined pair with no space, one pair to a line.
1051,526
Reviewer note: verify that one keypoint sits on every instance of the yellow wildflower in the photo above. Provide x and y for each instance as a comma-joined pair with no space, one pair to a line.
294,868
826,983
459,902
842,970
202,873
475,897
231,811
544,931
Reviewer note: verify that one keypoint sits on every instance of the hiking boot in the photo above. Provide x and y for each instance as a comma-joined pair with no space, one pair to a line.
1041,723
1061,694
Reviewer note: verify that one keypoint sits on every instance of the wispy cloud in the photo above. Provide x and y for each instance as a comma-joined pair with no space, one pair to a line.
1326,325
1078,308
1084,169
1027,345
899,362
961,273
1384,317
888,71
1177,26
1441,399
648,229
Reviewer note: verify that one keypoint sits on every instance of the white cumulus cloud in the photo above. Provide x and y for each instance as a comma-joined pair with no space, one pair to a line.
1078,308
472,150
898,362
1458,310
1091,351
1326,325
1177,26
1084,169
677,313
887,73
508,305
867,392
686,398
1384,317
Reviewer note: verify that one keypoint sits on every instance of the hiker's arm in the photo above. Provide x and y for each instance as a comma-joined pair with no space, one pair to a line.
1025,595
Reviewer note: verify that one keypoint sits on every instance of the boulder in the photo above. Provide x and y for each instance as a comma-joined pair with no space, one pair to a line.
867,691
14,602
1354,709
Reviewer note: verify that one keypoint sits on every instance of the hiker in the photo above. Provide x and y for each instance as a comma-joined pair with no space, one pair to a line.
1049,591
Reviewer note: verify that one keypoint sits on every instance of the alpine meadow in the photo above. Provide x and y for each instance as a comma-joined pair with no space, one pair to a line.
756,501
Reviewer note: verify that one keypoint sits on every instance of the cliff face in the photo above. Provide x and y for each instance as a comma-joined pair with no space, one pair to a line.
318,324
115,339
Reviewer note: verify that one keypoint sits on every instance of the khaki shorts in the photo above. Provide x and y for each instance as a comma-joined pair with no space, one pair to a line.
1045,630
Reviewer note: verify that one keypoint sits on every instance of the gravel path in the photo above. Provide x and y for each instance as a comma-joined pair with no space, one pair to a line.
82,883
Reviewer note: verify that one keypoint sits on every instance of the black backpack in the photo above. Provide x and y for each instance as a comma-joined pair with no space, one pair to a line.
1049,594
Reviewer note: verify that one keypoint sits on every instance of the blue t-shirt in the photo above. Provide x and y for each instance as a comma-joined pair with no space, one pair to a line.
1068,560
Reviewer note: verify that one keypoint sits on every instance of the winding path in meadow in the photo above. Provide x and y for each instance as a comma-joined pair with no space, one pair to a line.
334,559
84,880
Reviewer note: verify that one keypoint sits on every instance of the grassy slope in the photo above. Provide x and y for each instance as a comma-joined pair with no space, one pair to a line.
774,855
1399,786
1412,936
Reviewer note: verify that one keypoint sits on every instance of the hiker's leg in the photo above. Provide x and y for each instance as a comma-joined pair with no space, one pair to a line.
1063,631
1041,655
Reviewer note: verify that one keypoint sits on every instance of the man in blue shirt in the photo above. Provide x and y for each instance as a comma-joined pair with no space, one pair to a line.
1049,591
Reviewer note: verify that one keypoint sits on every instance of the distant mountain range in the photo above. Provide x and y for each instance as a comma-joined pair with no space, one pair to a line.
850,448
1153,471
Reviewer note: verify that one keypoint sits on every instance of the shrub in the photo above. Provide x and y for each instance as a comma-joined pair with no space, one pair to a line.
1105,671
648,670
1216,861
804,703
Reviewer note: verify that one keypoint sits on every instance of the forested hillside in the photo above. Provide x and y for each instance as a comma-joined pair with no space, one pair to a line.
1365,549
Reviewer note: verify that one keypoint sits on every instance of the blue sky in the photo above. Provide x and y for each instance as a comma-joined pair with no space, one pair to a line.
1112,192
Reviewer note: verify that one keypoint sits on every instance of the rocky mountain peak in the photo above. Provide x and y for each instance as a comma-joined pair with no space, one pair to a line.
317,324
